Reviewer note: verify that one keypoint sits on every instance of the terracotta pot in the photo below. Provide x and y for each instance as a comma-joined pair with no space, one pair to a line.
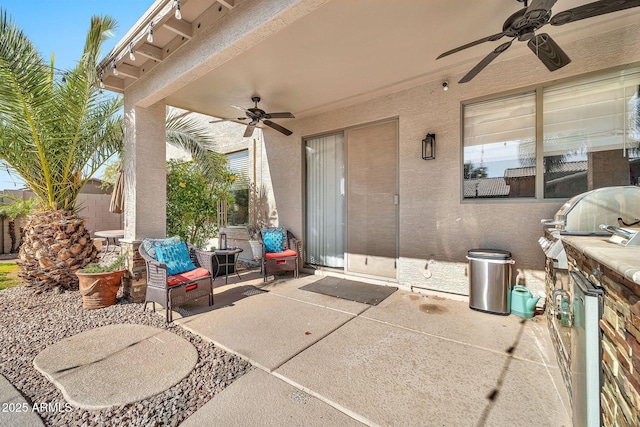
99,290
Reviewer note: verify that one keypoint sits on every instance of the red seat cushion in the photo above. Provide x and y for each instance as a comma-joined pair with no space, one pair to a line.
282,254
187,276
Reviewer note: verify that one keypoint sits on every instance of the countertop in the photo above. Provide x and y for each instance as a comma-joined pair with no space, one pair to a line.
623,259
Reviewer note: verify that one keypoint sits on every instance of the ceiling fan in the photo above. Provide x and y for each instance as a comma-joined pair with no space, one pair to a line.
258,115
523,24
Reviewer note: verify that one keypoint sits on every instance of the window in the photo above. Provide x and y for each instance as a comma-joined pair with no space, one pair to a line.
238,211
588,128
591,134
500,147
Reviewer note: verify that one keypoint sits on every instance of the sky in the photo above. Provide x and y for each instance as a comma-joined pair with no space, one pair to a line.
60,27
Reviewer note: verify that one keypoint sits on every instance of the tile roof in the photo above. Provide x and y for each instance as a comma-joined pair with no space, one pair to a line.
520,172
485,187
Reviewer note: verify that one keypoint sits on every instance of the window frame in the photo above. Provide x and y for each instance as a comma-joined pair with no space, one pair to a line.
538,89
230,207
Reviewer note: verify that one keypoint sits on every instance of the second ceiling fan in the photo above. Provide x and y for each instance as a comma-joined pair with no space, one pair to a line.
523,24
257,115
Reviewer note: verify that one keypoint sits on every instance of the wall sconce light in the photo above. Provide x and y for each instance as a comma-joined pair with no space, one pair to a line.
429,147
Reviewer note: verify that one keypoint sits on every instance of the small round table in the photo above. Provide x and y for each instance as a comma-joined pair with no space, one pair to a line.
110,234
227,258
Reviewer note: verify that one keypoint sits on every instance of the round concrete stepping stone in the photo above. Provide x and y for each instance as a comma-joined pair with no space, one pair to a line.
116,364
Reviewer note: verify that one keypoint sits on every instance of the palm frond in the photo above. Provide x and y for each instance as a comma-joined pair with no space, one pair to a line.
55,135
185,132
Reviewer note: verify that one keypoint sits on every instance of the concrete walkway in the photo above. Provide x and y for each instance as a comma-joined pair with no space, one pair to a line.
412,360
16,411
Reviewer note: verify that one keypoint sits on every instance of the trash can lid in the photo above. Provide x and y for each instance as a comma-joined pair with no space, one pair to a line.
495,254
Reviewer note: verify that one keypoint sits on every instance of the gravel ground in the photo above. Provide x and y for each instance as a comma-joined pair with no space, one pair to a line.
29,323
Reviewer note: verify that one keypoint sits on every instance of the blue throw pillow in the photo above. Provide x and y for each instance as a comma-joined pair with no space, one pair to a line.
151,244
274,239
176,257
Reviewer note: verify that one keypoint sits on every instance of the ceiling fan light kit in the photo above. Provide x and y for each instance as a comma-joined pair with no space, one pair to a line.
523,25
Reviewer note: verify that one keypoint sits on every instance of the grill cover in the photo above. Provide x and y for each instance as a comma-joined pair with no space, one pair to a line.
585,212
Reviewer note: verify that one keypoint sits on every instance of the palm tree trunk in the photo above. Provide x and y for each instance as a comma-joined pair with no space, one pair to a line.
56,245
12,235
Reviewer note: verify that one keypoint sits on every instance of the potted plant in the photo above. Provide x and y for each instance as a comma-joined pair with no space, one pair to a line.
258,218
99,284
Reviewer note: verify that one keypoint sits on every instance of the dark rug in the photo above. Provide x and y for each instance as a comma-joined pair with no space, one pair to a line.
350,290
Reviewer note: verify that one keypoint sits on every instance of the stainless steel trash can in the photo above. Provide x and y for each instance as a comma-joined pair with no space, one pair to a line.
490,280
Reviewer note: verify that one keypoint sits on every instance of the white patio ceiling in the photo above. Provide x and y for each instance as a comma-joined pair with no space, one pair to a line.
348,51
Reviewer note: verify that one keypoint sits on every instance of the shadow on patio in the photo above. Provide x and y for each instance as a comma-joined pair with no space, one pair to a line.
412,360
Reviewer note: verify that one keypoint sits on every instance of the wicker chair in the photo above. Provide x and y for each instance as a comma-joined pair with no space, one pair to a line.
285,260
180,288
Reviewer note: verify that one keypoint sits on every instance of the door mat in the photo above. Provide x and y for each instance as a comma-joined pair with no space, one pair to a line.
350,290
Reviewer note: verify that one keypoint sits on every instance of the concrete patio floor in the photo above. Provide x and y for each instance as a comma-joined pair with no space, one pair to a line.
412,360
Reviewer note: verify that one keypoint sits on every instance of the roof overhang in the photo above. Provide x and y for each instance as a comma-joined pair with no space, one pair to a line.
337,53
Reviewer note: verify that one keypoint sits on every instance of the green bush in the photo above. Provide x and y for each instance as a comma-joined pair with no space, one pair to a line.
192,202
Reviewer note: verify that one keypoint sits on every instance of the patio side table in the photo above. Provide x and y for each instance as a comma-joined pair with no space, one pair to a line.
227,258
113,235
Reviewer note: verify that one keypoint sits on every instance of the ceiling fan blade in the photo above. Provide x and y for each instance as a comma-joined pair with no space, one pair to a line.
228,120
592,9
250,114
490,38
249,130
279,116
541,4
277,127
548,51
538,9
486,61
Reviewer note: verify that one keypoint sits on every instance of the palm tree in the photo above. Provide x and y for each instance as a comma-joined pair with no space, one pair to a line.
55,133
18,208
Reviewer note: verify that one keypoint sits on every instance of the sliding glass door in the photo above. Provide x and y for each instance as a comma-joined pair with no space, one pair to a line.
325,201
352,200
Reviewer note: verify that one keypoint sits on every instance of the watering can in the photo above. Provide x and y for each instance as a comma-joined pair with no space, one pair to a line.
523,304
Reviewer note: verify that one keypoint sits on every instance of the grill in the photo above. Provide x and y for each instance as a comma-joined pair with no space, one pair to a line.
600,212
583,214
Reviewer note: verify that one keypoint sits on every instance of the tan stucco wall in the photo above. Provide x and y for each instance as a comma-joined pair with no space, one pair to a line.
436,227
95,209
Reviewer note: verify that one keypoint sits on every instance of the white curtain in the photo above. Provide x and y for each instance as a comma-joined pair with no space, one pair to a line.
325,201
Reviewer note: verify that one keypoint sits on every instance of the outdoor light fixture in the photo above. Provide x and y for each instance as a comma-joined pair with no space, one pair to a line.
445,85
429,147
131,55
101,82
115,68
176,4
150,34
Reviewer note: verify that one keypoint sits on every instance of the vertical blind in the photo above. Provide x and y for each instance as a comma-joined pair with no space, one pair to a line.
325,200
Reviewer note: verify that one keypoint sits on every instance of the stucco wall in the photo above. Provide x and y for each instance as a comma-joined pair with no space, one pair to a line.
95,209
437,228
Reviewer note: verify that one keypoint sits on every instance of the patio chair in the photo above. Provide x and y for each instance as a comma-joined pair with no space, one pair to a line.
280,250
176,273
